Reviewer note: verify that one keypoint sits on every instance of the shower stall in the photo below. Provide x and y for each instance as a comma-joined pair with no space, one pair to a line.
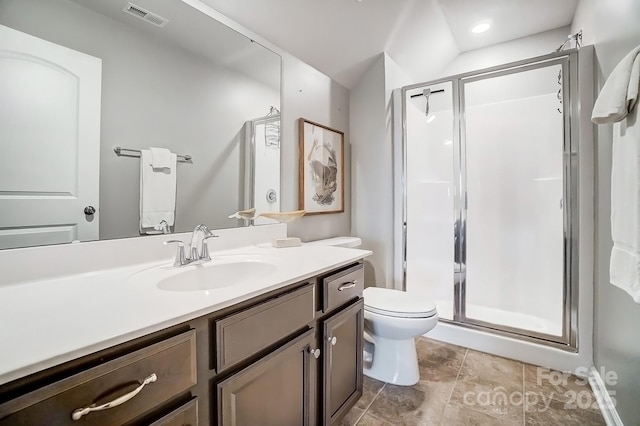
262,165
492,178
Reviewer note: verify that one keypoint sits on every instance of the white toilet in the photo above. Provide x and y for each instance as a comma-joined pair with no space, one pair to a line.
392,319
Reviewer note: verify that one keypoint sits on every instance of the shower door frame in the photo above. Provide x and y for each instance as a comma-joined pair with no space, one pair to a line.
570,106
250,160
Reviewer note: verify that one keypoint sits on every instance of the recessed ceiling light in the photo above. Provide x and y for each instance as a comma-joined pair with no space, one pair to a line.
480,28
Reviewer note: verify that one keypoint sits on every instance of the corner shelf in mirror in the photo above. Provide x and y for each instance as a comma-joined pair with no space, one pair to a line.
284,217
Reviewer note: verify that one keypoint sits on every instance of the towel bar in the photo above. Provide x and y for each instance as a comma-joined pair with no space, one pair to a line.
136,153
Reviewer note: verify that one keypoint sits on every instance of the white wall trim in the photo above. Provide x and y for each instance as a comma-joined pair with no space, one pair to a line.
605,402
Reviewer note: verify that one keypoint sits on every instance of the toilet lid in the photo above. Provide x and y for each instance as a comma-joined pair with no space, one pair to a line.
396,303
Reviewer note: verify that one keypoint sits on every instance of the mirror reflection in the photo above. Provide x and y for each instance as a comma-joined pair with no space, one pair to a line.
262,180
81,77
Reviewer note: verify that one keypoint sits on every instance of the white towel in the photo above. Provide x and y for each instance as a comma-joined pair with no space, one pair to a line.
619,94
617,103
157,193
161,158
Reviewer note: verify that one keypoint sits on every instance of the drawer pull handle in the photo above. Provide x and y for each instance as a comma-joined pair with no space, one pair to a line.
77,414
333,340
315,352
348,285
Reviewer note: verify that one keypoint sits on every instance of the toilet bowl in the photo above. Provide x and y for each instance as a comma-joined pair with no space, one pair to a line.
392,320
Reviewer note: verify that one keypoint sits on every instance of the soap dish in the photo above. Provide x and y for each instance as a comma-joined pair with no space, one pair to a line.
286,242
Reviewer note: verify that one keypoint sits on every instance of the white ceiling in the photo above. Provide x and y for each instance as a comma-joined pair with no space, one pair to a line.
509,19
342,38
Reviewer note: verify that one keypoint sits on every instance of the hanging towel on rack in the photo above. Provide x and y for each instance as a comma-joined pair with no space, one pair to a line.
157,193
618,104
161,158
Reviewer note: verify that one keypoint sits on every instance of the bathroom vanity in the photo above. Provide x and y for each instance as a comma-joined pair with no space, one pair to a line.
288,355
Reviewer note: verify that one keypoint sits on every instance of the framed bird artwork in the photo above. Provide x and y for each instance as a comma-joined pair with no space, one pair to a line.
321,173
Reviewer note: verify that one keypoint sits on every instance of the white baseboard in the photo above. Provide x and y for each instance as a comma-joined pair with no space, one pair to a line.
607,406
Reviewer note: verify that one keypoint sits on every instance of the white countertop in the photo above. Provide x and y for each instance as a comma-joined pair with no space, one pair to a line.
48,322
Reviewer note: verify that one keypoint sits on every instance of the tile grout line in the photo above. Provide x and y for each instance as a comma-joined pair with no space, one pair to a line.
524,408
456,381
370,404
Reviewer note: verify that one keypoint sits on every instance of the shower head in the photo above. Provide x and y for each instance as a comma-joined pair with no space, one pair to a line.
426,93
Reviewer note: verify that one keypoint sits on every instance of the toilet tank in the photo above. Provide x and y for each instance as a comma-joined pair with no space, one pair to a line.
349,242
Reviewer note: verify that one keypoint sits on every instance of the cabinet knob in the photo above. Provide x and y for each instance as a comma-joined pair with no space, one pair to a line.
315,352
333,340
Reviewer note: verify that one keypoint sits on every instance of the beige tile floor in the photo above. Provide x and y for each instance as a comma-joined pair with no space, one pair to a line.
460,386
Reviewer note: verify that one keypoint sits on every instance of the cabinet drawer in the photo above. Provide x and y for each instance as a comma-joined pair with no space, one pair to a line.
172,361
185,415
246,333
342,287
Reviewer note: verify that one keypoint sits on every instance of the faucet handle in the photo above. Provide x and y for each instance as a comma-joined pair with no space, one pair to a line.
181,258
205,248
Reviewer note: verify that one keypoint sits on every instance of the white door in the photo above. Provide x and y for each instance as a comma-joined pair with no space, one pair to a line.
49,141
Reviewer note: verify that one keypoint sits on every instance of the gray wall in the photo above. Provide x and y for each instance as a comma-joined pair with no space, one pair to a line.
372,174
155,94
312,95
613,28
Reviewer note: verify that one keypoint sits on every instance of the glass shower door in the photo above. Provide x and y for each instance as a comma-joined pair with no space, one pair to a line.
513,212
430,194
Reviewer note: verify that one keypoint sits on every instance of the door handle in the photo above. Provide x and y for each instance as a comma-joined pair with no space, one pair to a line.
89,210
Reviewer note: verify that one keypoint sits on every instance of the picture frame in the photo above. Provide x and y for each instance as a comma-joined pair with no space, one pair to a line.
321,168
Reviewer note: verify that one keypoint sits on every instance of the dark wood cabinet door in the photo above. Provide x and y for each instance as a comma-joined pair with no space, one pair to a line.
342,361
277,390
185,415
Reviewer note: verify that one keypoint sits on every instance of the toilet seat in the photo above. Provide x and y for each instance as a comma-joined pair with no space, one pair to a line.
398,304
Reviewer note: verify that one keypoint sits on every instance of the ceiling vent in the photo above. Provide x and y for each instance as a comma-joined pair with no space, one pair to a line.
145,15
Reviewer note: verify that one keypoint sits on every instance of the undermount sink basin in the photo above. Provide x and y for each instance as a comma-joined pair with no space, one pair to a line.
220,272
210,276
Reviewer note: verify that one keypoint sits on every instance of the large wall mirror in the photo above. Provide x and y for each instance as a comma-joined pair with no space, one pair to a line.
81,77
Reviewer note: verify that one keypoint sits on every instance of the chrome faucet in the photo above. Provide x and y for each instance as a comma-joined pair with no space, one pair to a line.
204,248
162,226
181,257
